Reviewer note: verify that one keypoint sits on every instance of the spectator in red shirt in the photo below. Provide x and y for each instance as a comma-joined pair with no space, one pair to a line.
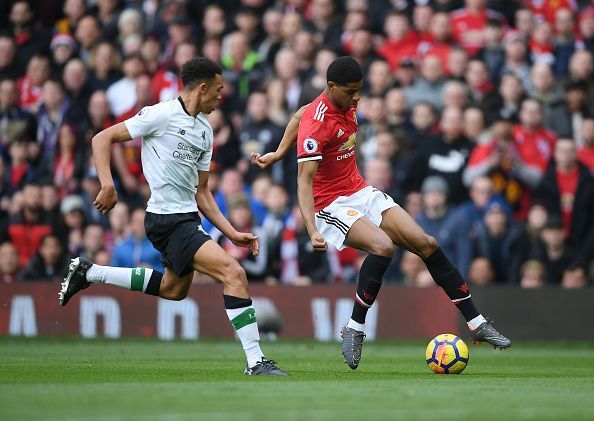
20,170
469,22
30,85
422,19
547,9
438,41
567,190
533,142
28,227
499,160
401,42
541,44
166,83
65,165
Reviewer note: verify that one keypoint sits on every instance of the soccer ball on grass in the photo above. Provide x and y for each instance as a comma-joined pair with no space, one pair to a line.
446,354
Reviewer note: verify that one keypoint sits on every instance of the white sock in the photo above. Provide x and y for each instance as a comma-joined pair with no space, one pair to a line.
356,325
135,279
244,321
476,322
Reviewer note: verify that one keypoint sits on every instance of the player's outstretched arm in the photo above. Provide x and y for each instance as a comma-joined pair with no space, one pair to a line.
288,140
305,176
101,145
209,208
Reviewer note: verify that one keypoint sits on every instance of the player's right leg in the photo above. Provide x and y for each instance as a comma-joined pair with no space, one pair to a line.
406,233
212,260
82,273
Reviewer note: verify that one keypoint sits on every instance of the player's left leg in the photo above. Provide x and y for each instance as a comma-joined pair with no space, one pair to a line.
367,236
406,233
212,260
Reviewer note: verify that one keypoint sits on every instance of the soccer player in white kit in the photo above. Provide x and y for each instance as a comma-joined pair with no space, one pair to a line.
177,144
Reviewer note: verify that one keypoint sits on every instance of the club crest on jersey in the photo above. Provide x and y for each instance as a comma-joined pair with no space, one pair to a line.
349,143
310,145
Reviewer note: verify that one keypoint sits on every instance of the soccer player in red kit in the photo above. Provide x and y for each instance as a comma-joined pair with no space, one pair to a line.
339,208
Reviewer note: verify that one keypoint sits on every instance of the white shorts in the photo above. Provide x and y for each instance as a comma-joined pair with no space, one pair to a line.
336,219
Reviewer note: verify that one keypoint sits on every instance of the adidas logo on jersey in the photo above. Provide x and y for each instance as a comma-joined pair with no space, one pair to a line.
340,133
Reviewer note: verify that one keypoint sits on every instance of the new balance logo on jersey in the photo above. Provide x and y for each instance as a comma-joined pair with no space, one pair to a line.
181,131
320,110
340,133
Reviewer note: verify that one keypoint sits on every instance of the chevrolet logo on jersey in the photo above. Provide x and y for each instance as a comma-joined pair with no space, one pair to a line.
349,143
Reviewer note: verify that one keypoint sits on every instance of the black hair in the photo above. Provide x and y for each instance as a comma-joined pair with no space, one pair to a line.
344,70
199,69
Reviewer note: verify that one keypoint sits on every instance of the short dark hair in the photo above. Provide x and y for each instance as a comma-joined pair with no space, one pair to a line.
344,70
197,70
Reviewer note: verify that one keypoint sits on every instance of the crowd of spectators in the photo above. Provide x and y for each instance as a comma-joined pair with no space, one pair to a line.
476,116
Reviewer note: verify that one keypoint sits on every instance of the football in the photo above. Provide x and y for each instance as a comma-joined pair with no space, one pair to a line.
446,354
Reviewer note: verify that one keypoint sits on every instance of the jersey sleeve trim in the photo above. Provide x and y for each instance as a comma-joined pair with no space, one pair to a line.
310,158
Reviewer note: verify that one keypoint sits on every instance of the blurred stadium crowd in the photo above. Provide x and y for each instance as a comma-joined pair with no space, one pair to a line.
476,116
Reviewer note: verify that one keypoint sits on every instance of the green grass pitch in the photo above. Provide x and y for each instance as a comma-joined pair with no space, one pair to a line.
61,379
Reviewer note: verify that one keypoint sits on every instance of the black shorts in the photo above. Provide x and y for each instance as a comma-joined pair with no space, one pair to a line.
177,236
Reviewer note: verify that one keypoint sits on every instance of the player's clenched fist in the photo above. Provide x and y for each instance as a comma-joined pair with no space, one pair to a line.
318,242
263,161
106,199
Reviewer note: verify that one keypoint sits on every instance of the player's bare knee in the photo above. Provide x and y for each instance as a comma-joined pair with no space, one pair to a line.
383,247
426,246
173,292
178,295
234,275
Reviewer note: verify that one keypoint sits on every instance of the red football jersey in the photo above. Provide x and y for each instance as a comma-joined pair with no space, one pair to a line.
329,134
467,28
535,147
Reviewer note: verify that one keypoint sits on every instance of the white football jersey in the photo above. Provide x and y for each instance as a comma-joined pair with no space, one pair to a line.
175,146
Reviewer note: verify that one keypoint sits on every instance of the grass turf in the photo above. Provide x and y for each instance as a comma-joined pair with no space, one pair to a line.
48,378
